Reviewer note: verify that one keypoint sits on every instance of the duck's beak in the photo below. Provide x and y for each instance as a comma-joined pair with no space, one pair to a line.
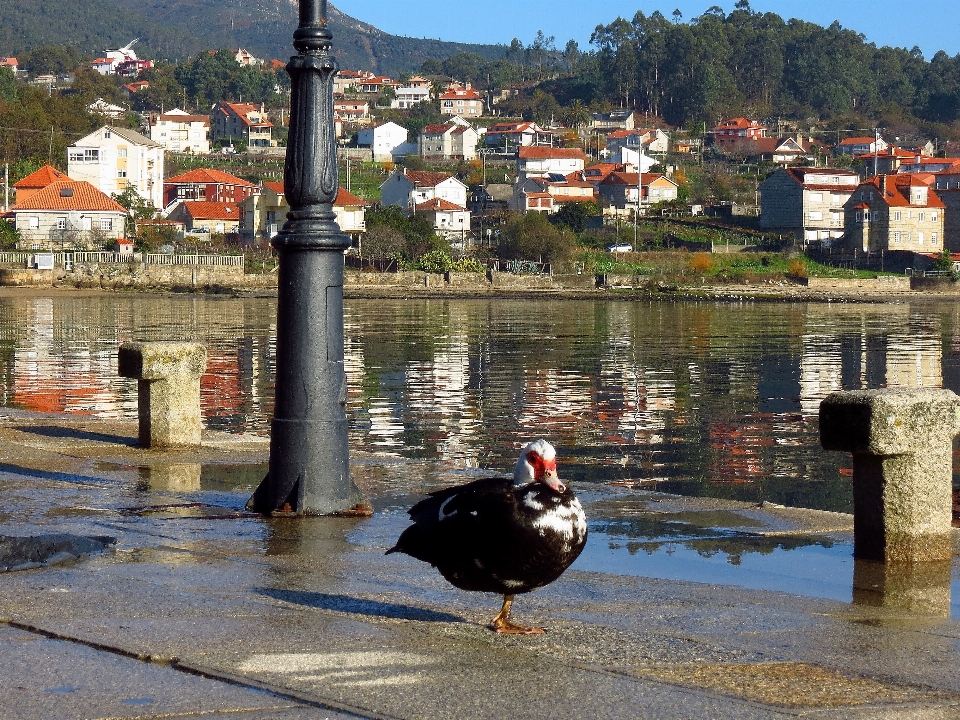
552,481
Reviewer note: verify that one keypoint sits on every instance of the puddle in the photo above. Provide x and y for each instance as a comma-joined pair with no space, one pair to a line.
188,477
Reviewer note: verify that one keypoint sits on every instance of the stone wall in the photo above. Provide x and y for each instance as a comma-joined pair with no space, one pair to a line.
884,283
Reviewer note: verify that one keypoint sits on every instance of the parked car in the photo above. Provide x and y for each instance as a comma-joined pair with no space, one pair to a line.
620,247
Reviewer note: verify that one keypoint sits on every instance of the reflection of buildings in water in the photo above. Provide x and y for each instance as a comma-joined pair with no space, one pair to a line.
439,399
862,348
55,372
557,403
633,403
737,450
914,360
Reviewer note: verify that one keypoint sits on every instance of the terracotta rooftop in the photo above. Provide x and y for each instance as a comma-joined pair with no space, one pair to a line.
535,152
70,195
41,178
438,204
202,210
206,176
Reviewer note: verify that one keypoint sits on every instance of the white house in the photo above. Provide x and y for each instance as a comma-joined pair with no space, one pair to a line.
178,131
407,188
535,161
634,158
413,93
264,214
383,140
113,159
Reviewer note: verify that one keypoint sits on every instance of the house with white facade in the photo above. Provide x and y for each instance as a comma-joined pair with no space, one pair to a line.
416,91
528,194
645,140
68,215
540,161
179,131
446,218
383,140
861,145
514,134
807,202
450,141
114,159
408,188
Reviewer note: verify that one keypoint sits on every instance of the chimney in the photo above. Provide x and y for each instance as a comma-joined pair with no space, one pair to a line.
883,185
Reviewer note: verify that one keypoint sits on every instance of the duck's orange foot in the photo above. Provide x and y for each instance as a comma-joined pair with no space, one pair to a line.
504,626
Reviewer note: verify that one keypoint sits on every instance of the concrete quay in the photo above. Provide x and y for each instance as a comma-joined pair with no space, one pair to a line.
147,592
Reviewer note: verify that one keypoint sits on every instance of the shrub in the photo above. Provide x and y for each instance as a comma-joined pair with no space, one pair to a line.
468,264
701,262
798,268
436,261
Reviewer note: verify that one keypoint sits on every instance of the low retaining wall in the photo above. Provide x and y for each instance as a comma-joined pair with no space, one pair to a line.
884,283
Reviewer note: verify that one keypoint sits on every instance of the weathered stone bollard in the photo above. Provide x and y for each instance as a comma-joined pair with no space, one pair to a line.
901,440
168,390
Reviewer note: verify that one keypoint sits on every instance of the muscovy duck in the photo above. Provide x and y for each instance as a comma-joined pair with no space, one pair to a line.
501,536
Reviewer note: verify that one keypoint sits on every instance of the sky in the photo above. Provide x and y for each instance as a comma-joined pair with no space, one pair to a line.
931,25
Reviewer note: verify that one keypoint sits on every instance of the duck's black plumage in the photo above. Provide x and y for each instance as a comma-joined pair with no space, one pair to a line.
492,536
498,535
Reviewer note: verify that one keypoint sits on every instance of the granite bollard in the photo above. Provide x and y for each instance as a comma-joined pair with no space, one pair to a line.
901,440
168,390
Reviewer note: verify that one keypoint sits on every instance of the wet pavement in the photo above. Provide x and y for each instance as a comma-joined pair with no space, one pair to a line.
150,593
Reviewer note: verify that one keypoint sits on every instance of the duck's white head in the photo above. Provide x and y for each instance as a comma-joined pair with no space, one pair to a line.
538,463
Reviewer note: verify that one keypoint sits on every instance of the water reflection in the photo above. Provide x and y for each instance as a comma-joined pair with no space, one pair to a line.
919,588
695,398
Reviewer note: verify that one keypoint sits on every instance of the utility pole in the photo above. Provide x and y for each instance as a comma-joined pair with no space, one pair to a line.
309,446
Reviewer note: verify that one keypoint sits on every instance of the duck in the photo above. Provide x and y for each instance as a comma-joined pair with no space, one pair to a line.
501,535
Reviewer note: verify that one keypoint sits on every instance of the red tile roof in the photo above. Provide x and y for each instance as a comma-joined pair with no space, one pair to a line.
277,187
898,189
203,210
439,204
79,196
529,152
424,178
205,176
41,178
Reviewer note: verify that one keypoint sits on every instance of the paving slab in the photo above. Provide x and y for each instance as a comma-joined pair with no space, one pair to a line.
198,607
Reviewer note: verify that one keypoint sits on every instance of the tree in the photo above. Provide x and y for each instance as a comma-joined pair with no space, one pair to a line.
51,60
577,115
573,216
533,237
8,85
9,236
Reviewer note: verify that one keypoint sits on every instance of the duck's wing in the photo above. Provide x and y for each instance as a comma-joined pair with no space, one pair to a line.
457,518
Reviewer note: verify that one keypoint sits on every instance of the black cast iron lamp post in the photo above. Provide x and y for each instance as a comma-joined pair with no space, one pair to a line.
309,451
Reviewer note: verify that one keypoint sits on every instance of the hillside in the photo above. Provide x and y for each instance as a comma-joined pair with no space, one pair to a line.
169,30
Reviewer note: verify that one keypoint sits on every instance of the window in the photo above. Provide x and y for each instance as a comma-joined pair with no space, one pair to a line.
121,173
920,238
933,238
61,223
896,214
859,216
816,197
33,222
817,215
921,216
106,223
84,155
86,223
933,217
896,237
121,152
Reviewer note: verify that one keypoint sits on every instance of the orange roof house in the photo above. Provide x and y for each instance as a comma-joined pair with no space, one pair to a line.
36,181
68,214
208,217
207,184
895,212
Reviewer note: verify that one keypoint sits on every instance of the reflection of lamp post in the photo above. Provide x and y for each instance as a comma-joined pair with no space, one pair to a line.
309,453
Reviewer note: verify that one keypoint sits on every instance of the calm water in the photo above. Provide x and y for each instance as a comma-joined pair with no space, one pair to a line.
698,399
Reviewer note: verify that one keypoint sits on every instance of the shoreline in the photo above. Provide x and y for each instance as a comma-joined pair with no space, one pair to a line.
685,293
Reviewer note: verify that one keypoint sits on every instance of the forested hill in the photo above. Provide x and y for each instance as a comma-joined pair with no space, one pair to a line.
177,29
718,65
